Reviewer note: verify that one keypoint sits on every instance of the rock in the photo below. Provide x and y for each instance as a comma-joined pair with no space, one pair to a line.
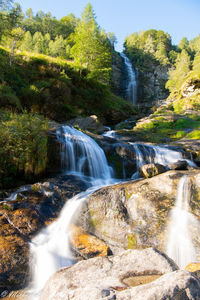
134,214
192,146
179,165
108,277
150,170
22,218
194,268
90,123
86,244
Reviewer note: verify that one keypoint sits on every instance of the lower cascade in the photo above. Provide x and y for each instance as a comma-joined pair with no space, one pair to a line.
81,155
50,249
180,246
147,154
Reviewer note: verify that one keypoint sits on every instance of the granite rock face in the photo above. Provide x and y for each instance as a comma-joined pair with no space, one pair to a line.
135,214
133,274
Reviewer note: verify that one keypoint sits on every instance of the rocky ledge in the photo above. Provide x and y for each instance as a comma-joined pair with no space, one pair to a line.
133,274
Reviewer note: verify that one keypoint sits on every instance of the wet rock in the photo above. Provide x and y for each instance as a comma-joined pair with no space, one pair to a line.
22,218
194,268
151,170
86,244
191,146
179,165
90,123
134,214
107,277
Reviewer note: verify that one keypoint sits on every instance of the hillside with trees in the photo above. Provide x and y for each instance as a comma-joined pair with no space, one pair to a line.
49,70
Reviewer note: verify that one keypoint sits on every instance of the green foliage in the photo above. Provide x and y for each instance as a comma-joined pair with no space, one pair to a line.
178,75
23,145
194,135
52,87
91,47
165,128
148,48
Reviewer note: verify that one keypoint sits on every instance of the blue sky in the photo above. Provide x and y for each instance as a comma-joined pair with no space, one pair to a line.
177,17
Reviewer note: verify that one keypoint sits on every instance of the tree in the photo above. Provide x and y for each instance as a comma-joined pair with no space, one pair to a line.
90,49
27,42
67,25
177,75
184,43
38,42
57,48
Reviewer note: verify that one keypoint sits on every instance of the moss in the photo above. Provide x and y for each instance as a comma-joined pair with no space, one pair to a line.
132,241
7,207
195,135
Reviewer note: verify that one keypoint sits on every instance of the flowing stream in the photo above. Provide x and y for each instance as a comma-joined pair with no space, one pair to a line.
148,154
50,249
81,155
180,246
132,80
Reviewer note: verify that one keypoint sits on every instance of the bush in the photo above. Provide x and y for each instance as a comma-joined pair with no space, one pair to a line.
23,146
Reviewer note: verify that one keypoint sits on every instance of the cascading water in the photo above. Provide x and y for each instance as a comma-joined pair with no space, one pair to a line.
50,249
179,246
132,80
147,154
81,155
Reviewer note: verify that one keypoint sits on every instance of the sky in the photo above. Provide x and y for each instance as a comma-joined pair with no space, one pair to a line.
180,18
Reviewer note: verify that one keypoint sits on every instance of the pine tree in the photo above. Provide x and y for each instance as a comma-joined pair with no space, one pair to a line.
57,48
27,43
38,42
90,49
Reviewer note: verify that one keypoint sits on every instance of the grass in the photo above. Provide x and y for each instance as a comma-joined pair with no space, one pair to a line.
55,88
160,130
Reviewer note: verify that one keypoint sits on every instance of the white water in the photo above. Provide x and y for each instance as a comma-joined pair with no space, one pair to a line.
132,84
179,246
81,155
110,134
147,154
50,249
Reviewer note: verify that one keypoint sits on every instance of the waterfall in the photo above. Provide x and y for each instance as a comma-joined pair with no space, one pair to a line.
147,154
179,246
110,134
132,80
81,155
50,249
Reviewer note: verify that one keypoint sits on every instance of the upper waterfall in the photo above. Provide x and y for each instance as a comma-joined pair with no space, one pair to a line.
132,80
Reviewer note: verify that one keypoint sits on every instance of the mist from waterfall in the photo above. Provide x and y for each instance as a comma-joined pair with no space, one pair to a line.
132,80
179,245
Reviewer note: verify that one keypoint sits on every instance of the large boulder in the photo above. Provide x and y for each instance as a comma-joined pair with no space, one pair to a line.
90,123
135,214
150,170
22,218
133,274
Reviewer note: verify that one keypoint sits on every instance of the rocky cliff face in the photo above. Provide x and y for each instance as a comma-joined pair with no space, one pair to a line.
151,85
